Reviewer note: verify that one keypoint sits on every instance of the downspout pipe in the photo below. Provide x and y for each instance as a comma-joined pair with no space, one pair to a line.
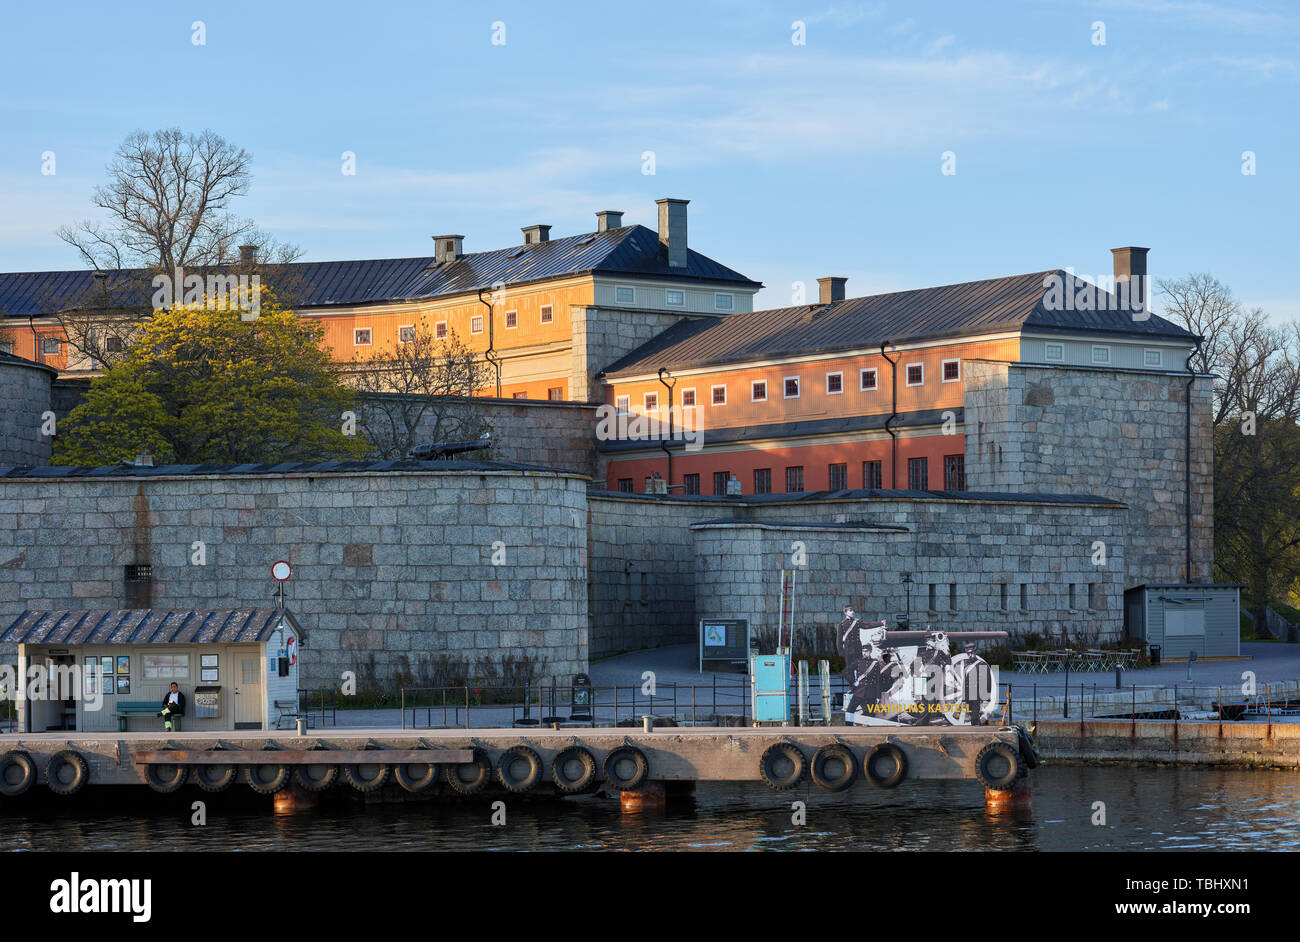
889,422
1187,461
667,442
490,354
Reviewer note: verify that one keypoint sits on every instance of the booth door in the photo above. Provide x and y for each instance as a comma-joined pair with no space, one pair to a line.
248,692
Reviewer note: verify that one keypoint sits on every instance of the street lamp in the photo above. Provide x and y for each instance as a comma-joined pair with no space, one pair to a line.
907,581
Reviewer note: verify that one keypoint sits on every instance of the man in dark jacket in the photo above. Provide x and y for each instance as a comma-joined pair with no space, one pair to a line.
173,708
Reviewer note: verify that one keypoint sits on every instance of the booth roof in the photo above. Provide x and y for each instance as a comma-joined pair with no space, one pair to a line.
148,626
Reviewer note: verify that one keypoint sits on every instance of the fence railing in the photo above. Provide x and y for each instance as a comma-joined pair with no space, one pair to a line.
319,706
1175,703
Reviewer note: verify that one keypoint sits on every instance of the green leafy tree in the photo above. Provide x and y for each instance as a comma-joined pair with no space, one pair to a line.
203,384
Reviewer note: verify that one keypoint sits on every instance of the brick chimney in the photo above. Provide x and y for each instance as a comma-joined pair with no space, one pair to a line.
830,289
1132,286
248,254
447,248
672,230
535,234
608,219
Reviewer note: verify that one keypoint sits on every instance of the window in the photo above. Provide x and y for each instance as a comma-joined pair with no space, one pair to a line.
440,330
867,379
548,314
724,302
952,596
839,476
520,395
51,346
719,395
934,597
915,374
1054,352
7,346
688,398
1100,354
625,485
758,391
361,337
918,474
651,402
954,472
512,319
675,297
1152,358
622,405
1074,606
951,371
834,383
720,479
111,344
1094,596
794,480
691,483
792,387
762,480
624,295
1185,619
871,474
1024,596
406,335
476,325
166,666
555,393
1005,601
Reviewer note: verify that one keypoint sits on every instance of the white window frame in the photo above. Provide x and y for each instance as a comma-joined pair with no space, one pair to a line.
875,379
713,400
402,327
691,390
785,392
907,374
681,297
446,331
1099,347
835,392
618,288
547,313
943,371
1160,357
719,306
1047,352
58,346
370,335
622,405
476,319
645,401
6,346
506,320
753,390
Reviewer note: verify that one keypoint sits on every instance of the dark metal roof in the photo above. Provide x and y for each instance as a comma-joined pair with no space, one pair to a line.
630,250
870,494
9,358
1012,303
285,467
147,626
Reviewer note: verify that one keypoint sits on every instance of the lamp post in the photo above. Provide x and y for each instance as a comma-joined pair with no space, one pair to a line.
907,581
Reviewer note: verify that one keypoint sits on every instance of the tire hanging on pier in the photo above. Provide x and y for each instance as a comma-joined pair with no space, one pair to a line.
998,765
508,769
214,778
825,761
573,784
617,759
359,779
885,765
166,778
780,754
479,770
1026,745
414,777
63,761
267,779
17,773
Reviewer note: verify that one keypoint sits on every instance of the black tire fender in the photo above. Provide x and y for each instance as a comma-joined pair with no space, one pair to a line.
990,757
16,758
842,754
1026,746
895,755
512,781
214,778
768,763
560,776
415,783
640,768
279,778
363,784
80,772
482,768
166,778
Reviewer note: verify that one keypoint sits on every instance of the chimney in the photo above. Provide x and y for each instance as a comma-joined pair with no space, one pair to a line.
447,248
830,289
1130,260
1131,266
535,234
672,230
248,254
608,219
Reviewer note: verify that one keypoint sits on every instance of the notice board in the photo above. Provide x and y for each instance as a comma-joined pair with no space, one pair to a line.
724,639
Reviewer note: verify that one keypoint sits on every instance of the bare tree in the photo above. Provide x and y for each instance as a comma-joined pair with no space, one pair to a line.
421,390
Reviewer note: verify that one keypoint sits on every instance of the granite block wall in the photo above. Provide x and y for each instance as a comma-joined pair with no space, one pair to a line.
24,397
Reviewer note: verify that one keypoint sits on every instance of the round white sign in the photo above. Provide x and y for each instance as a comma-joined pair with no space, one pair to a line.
280,571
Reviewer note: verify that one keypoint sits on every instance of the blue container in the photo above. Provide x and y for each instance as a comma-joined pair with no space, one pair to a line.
769,677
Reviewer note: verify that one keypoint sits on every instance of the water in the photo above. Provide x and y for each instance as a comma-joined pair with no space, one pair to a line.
1146,809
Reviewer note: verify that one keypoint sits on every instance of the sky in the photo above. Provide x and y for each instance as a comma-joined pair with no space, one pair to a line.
811,138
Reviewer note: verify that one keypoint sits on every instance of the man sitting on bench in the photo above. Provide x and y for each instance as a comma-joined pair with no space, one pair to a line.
173,708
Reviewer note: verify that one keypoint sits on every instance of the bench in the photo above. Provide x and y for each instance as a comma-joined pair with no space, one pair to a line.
128,708
288,711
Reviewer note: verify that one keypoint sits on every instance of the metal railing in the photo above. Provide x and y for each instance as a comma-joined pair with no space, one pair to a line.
325,705
1176,703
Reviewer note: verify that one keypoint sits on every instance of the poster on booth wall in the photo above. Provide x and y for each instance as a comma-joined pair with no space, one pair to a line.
900,681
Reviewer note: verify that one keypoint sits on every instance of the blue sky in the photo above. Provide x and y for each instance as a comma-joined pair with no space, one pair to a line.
799,160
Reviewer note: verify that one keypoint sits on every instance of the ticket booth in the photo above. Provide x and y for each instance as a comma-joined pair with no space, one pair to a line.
110,671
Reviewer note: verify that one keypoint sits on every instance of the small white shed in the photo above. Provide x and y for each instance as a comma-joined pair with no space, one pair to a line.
1186,618
104,671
